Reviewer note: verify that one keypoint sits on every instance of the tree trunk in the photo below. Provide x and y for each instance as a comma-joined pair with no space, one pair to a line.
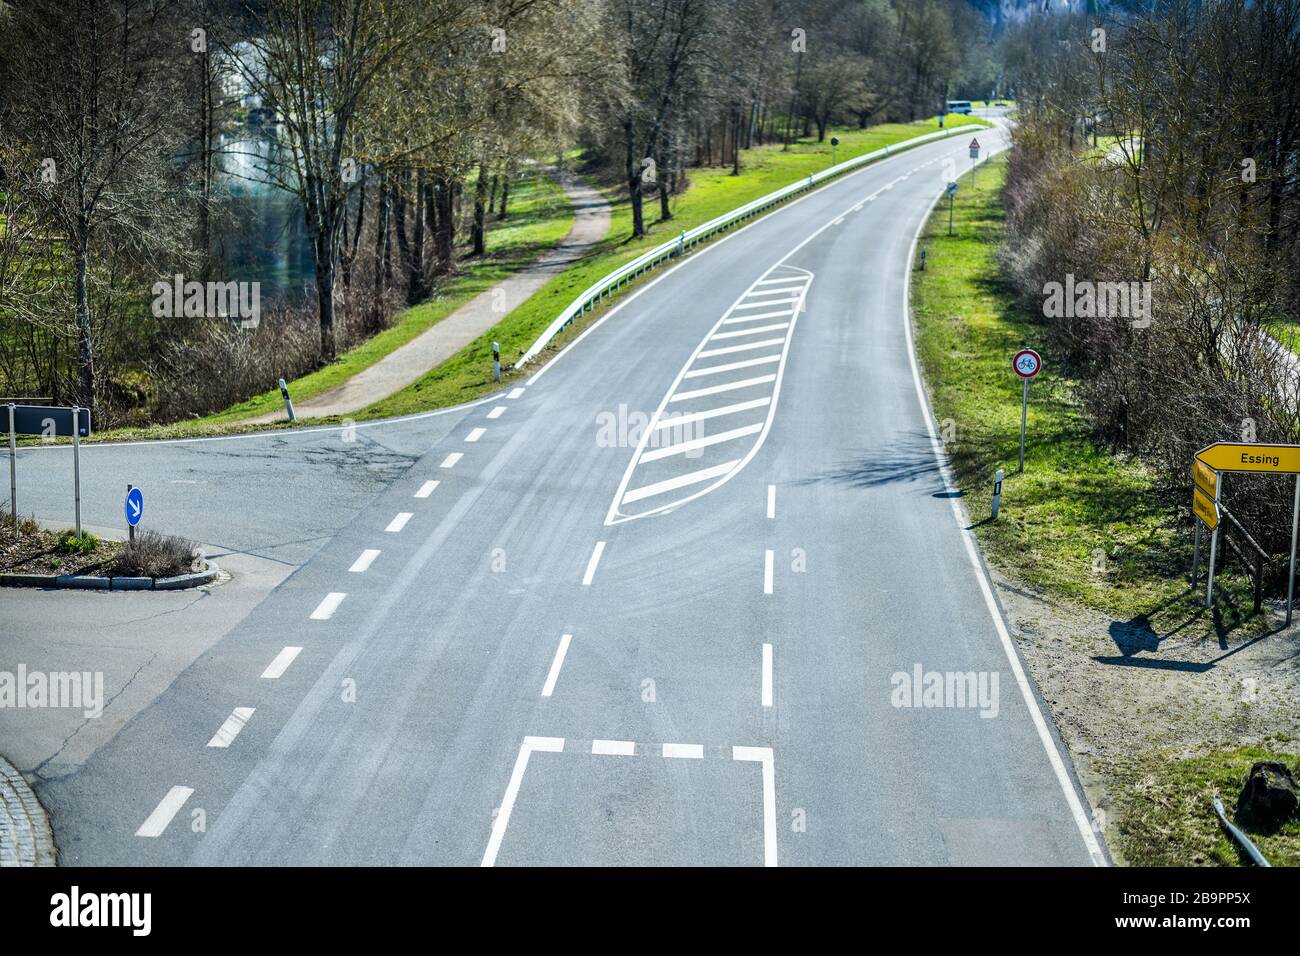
633,181
85,343
445,239
480,211
505,194
325,294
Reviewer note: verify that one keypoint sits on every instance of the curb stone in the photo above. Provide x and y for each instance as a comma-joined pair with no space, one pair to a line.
89,582
25,835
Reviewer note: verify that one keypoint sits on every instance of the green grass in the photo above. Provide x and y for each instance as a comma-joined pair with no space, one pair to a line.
467,375
1166,817
540,216
712,192
1080,523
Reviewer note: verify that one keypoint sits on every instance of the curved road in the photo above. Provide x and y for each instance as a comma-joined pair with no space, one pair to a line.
596,642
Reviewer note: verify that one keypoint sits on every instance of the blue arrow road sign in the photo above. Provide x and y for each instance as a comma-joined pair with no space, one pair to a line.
134,506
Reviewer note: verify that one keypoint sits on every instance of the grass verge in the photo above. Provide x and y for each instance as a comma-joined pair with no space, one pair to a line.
1079,523
713,191
1166,814
467,375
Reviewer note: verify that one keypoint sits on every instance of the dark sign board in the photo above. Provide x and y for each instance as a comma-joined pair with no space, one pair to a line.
45,420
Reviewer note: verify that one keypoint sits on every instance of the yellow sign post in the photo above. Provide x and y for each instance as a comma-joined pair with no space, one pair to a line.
1205,509
1243,457
1239,456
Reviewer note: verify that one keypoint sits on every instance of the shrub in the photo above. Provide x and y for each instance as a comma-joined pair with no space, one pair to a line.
69,543
154,555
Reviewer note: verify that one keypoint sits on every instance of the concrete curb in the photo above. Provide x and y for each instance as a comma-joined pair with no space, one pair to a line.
88,582
25,835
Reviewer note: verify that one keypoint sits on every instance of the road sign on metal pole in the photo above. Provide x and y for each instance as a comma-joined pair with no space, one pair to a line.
974,157
134,508
76,466
1027,363
1214,547
48,421
1254,458
13,469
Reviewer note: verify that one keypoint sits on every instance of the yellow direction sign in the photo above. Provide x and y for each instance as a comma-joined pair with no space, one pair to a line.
1205,477
1204,509
1268,459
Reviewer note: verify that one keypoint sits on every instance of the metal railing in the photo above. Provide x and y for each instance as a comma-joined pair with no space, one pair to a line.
610,283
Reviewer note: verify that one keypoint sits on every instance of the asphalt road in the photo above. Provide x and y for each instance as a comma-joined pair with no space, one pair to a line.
584,648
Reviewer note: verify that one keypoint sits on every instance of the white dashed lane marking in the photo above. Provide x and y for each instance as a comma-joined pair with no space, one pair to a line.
363,562
399,521
450,460
497,412
592,562
281,663
325,610
228,731
426,489
163,813
476,434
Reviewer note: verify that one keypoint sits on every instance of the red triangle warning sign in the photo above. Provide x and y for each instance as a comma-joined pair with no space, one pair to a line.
974,144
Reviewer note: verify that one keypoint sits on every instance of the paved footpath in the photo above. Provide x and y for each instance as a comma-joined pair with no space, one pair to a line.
25,838
408,363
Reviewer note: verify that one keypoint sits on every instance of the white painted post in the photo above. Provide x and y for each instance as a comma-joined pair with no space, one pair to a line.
1290,581
1214,545
76,462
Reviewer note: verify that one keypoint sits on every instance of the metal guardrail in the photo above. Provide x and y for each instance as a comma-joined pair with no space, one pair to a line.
648,260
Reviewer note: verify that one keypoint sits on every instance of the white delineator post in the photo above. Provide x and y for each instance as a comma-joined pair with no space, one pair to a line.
76,462
13,468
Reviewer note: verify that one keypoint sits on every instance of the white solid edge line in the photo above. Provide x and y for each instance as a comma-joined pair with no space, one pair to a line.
544,744
476,434
281,663
767,675
594,560
613,516
497,412
990,602
328,605
399,521
156,822
764,756
768,562
684,751
450,460
229,730
682,448
614,748
426,489
771,501
681,481
554,674
364,560
731,234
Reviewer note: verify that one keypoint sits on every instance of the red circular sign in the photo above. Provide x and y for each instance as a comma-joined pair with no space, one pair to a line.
1027,363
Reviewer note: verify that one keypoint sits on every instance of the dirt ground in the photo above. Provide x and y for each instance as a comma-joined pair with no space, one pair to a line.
1118,689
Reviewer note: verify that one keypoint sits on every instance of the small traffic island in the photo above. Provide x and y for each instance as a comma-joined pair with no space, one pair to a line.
34,557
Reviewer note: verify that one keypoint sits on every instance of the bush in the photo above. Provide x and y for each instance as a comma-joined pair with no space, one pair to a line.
26,527
69,543
154,555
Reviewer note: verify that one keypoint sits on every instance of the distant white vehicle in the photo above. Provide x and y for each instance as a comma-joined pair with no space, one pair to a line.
959,106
